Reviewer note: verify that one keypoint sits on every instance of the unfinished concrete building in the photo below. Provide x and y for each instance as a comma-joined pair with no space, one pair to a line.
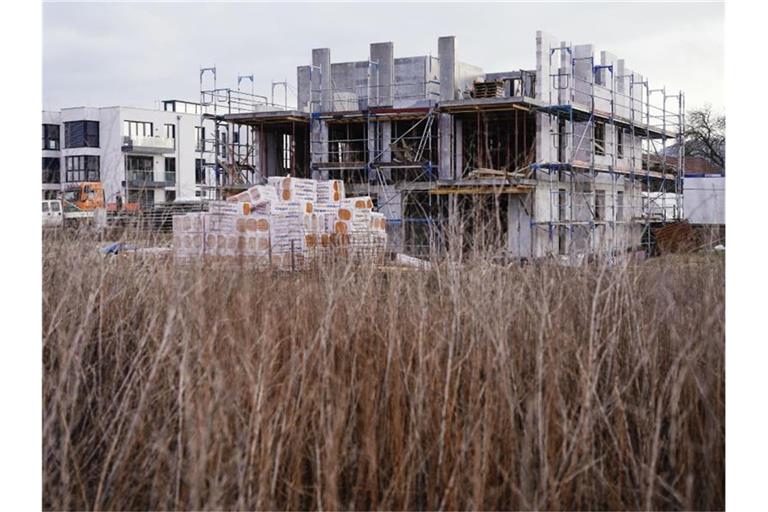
567,155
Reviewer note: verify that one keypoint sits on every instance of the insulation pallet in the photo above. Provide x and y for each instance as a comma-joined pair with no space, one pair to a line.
294,189
330,192
255,194
188,235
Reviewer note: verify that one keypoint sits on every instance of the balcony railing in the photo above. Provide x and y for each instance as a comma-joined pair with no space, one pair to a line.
145,179
152,145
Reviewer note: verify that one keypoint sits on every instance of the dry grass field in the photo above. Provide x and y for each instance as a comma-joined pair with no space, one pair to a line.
472,386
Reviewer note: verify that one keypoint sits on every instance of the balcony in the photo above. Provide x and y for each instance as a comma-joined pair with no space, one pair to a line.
149,145
144,180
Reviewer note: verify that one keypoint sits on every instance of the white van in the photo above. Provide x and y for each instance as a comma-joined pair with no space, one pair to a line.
53,215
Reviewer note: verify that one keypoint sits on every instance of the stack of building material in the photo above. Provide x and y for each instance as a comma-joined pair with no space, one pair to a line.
259,198
253,232
288,232
188,233
330,192
354,227
294,189
489,89
286,222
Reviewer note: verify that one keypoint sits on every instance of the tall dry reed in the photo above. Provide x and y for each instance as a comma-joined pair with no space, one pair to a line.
471,386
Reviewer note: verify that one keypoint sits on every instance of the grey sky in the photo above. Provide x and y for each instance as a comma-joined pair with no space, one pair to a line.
136,54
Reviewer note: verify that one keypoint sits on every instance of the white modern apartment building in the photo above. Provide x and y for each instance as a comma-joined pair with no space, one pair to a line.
139,155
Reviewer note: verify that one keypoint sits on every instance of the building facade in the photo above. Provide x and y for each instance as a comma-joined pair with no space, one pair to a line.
564,156
141,156
566,153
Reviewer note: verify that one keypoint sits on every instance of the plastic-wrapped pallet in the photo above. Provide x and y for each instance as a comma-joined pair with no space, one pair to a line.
229,207
330,192
255,194
287,233
219,223
379,232
378,222
221,244
188,232
356,213
253,231
294,189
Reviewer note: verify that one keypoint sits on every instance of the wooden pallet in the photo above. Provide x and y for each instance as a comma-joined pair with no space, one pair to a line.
492,89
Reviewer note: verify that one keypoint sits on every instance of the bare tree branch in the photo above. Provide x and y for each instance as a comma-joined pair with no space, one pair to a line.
705,136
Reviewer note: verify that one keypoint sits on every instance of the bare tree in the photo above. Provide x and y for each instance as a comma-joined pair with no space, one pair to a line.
705,135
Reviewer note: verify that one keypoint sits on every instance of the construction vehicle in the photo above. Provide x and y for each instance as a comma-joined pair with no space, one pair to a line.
83,202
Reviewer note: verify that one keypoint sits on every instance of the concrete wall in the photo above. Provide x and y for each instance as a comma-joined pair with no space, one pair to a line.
344,86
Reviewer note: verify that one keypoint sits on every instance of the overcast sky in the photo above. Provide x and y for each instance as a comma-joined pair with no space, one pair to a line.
136,54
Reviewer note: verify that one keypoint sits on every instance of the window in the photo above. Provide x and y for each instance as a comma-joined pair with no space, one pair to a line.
169,106
200,138
81,134
170,196
599,138
51,137
199,170
619,205
170,131
45,207
51,168
170,170
287,151
599,205
82,168
619,143
139,168
236,135
137,129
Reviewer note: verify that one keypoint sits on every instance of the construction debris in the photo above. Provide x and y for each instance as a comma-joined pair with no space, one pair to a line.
287,223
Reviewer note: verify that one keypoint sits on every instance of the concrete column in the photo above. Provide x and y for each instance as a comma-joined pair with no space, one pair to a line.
445,137
257,152
385,139
322,96
303,86
319,145
383,75
519,229
446,47
459,137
